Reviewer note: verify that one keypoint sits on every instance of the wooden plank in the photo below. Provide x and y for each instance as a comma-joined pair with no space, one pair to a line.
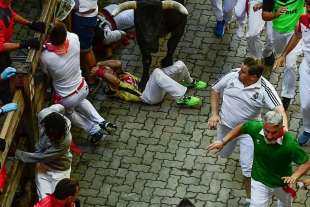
14,176
10,124
40,96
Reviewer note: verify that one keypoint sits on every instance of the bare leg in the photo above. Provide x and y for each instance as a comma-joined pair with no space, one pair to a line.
88,61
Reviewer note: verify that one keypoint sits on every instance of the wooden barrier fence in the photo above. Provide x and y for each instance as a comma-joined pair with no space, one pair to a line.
19,129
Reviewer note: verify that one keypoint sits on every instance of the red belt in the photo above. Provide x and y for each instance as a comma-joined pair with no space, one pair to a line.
57,98
77,89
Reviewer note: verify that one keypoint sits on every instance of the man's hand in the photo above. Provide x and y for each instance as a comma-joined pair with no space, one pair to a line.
290,179
213,121
31,43
7,73
37,26
280,61
217,146
93,71
257,7
8,108
123,33
280,11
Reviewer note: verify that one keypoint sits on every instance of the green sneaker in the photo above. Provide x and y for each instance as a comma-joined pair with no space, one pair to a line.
190,101
196,84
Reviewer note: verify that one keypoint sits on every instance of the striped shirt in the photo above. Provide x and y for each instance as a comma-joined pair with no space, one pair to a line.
242,103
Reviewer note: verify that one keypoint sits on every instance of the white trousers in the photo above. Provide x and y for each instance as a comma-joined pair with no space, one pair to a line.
304,87
223,9
255,26
240,11
280,40
261,194
164,81
46,181
246,148
81,112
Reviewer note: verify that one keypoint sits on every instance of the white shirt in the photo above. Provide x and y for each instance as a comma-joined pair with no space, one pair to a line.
86,5
64,69
242,103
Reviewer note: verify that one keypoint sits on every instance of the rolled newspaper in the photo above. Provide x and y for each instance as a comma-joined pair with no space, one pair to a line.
64,8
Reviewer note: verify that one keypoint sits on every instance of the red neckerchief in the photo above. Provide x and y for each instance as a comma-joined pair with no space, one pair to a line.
5,5
59,50
289,190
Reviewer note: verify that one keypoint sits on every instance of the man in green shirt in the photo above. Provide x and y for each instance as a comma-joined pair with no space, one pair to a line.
284,15
274,152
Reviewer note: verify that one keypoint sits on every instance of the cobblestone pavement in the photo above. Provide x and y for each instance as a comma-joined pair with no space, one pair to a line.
158,155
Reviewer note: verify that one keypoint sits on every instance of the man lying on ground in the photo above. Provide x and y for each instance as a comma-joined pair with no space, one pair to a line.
161,81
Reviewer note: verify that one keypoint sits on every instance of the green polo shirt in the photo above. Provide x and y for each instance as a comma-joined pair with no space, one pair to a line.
273,161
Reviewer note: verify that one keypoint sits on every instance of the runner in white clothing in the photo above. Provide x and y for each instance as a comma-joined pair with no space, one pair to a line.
223,10
302,31
161,81
245,92
255,26
61,61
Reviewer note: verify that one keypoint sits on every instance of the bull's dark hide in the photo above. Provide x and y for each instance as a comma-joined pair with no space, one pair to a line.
151,22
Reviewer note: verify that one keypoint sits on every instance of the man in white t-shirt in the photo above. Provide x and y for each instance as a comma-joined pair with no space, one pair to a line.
61,62
245,92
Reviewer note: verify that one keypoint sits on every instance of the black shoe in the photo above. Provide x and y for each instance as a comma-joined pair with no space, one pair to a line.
286,102
95,138
269,61
108,127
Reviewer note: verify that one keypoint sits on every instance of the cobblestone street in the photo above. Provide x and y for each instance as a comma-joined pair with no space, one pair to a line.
158,154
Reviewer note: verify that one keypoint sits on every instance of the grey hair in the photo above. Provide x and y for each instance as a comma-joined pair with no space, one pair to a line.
274,118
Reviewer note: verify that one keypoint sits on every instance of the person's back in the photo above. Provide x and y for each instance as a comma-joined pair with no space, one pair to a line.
64,69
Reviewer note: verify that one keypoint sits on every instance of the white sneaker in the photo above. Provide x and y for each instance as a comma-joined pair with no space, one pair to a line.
240,31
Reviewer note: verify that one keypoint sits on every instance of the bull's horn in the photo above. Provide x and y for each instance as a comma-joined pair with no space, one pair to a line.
174,5
124,6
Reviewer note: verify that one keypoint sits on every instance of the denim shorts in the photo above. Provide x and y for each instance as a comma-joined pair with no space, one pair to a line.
84,27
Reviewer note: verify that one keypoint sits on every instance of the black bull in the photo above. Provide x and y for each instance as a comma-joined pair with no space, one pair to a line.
151,23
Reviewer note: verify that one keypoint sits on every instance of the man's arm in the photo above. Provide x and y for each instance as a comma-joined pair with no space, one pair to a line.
268,14
34,157
103,72
215,102
218,145
289,47
217,89
21,20
292,43
281,110
300,171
